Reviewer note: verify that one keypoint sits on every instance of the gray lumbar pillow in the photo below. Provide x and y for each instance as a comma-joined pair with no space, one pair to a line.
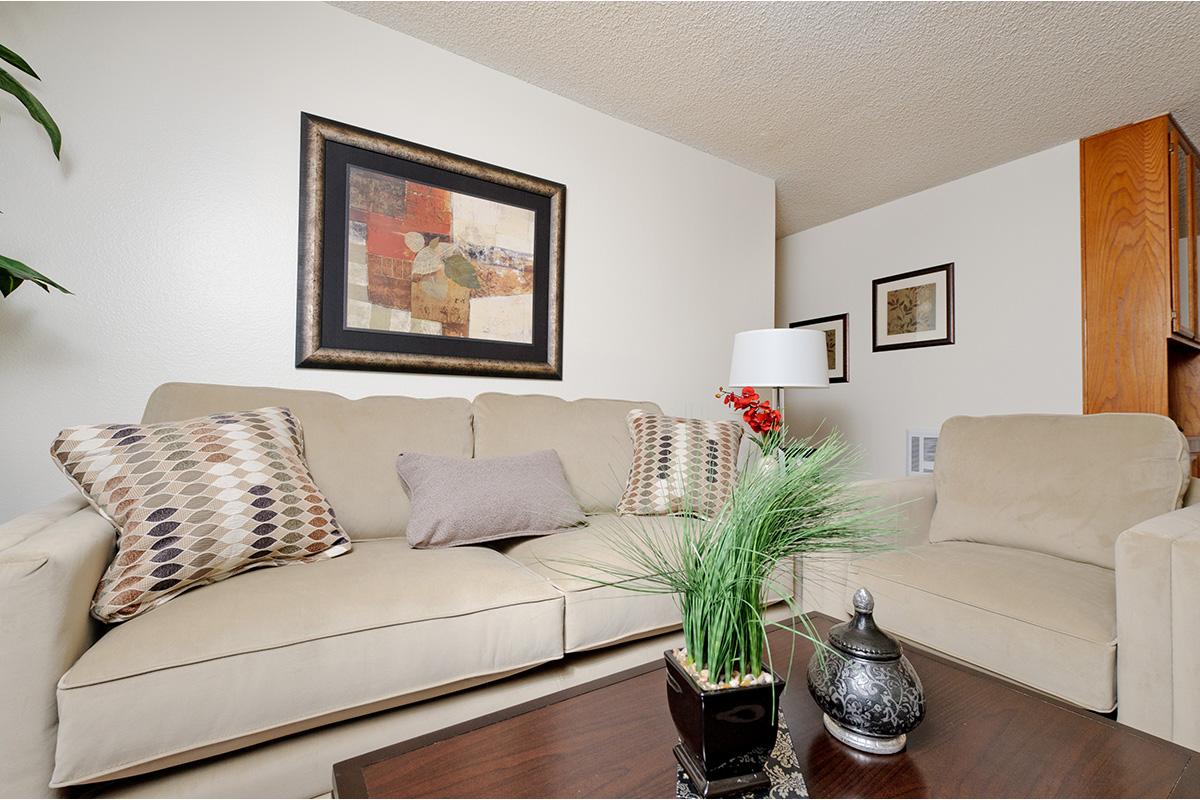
471,500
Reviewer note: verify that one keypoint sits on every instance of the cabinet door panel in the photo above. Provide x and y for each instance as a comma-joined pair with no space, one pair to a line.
1182,221
1195,237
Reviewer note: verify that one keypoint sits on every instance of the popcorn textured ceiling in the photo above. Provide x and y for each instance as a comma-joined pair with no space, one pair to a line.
845,105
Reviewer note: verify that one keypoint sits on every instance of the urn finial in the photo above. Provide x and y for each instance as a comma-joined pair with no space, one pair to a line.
864,603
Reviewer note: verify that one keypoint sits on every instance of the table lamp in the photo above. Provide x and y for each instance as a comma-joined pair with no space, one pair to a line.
780,358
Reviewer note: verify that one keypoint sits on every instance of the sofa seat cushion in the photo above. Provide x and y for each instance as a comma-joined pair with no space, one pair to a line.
1043,621
350,445
598,615
271,652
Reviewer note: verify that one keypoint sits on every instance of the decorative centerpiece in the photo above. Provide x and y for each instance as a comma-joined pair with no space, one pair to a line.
869,692
722,689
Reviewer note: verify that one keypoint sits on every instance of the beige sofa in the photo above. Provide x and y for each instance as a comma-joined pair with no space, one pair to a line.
1046,549
256,685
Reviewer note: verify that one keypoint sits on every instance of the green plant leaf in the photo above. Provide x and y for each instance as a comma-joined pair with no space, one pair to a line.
23,272
460,270
17,61
8,283
36,110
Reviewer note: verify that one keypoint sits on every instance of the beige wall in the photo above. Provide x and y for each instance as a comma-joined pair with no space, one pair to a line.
173,215
1013,235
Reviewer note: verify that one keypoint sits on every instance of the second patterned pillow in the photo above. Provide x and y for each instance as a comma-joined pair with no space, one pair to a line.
680,466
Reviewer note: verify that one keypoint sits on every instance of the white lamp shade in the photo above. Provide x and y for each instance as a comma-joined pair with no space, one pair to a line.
779,357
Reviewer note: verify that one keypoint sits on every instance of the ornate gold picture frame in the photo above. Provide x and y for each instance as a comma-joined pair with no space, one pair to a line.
417,260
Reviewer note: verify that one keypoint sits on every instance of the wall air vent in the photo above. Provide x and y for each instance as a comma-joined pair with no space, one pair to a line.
922,448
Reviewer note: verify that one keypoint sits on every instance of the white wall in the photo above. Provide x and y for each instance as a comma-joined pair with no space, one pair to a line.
173,216
1013,235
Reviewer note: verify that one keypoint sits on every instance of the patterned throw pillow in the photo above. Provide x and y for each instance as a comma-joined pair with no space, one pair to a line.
680,466
197,501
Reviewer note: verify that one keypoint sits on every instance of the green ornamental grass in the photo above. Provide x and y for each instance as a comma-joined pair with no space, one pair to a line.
798,501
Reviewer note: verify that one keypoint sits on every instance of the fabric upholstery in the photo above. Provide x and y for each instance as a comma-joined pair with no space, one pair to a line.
589,436
680,465
471,500
49,566
598,615
17,530
1062,485
350,445
197,501
299,765
1044,621
1158,626
906,505
1185,639
270,652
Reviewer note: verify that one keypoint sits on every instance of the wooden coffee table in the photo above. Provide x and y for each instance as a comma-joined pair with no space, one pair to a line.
982,737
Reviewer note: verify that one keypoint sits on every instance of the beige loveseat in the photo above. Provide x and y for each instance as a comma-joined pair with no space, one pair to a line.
256,685
1046,549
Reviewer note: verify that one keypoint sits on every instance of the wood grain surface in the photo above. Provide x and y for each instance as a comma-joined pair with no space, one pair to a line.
1127,281
982,737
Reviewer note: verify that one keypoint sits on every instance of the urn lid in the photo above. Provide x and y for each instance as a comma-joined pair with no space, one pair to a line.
860,637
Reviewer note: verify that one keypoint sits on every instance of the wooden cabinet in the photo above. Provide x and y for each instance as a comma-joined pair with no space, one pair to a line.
1141,297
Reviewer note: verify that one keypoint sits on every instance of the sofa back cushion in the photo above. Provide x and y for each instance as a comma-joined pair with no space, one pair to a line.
350,445
1058,484
590,437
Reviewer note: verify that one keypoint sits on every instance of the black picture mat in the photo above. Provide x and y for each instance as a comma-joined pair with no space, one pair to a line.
335,334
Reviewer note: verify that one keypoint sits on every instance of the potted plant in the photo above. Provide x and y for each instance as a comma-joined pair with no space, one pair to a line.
12,272
722,688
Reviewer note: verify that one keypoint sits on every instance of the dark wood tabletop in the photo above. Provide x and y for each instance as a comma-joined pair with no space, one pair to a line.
982,737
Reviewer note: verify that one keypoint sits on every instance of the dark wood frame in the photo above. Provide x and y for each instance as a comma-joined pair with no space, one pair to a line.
845,320
322,341
948,268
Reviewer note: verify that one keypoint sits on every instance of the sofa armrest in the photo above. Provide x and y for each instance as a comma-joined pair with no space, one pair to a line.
1158,626
907,503
50,563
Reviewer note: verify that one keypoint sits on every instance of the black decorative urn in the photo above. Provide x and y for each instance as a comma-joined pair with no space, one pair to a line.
870,693
725,735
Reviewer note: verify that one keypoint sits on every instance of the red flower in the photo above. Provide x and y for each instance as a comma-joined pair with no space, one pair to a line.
762,418
757,413
746,399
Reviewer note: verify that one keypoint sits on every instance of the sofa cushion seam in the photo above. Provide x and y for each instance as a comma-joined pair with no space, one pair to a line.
248,651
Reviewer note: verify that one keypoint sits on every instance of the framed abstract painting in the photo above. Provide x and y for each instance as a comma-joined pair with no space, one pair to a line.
417,260
836,328
913,309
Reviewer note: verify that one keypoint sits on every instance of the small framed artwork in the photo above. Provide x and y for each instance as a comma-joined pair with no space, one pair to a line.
913,309
836,329
417,260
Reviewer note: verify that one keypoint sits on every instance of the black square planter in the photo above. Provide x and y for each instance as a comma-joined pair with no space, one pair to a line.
725,735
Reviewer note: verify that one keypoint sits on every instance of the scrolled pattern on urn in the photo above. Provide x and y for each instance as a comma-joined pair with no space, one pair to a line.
874,698
870,693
